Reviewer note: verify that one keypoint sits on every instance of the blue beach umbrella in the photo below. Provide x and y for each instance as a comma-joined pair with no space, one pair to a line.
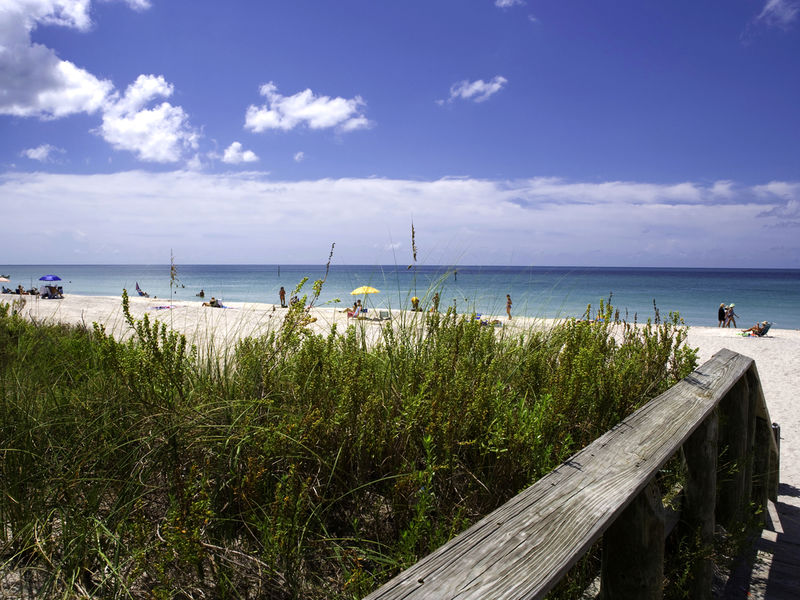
50,278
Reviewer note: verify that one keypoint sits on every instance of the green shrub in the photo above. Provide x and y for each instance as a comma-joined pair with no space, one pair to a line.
301,465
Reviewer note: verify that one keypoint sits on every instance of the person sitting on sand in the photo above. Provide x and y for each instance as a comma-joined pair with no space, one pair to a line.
213,304
756,329
21,290
415,304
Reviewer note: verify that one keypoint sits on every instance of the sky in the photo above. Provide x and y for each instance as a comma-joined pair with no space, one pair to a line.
508,132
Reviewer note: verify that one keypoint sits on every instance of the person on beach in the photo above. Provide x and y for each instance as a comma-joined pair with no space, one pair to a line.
282,295
214,303
435,307
757,329
508,306
415,304
721,314
730,316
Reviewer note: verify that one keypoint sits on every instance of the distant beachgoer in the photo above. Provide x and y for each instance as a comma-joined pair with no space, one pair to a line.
213,304
415,304
201,294
730,316
721,314
756,329
282,295
435,307
508,305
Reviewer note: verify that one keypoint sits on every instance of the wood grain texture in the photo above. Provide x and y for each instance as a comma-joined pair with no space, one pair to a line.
522,549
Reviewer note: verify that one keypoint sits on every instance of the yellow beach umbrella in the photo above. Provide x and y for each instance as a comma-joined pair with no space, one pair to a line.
364,289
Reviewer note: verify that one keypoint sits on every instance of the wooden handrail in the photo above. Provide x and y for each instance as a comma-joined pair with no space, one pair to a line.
525,547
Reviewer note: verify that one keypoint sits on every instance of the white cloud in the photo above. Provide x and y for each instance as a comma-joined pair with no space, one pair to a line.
508,3
461,221
779,13
299,156
235,155
479,90
159,134
138,5
34,80
41,153
316,112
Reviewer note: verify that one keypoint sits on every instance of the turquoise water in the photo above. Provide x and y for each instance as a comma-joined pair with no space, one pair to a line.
759,294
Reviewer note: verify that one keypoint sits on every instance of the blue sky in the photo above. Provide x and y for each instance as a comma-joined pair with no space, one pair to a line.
508,131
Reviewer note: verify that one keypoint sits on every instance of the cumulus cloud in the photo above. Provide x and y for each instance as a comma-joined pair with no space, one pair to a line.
779,13
478,91
35,81
41,153
235,155
159,134
305,108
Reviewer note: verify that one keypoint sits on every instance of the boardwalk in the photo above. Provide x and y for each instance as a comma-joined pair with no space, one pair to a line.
772,570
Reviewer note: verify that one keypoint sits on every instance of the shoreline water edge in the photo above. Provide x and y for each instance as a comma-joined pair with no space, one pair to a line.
540,292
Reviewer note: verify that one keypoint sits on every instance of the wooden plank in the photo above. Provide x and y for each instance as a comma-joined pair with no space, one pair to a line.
700,495
762,412
633,550
734,492
522,549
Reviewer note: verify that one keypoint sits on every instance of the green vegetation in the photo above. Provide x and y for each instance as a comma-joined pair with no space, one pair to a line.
296,465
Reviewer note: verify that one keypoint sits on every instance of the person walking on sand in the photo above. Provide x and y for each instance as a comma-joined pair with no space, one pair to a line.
721,314
730,316
282,294
508,306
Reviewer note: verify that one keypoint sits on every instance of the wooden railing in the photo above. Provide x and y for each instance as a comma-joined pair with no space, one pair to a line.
717,416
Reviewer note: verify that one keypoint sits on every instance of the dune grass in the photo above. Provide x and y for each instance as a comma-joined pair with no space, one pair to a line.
301,465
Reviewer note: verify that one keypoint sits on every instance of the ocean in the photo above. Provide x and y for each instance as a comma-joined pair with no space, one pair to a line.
548,292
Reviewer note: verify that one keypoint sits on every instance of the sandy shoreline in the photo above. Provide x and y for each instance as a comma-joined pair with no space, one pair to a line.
777,355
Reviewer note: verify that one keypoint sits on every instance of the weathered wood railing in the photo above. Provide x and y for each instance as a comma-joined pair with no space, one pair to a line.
717,415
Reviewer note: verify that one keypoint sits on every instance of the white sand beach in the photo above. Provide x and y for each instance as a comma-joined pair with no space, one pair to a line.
777,355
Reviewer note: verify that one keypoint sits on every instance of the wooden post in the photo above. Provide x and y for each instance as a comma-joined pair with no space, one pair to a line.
700,451
775,464
753,392
633,550
732,446
761,467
